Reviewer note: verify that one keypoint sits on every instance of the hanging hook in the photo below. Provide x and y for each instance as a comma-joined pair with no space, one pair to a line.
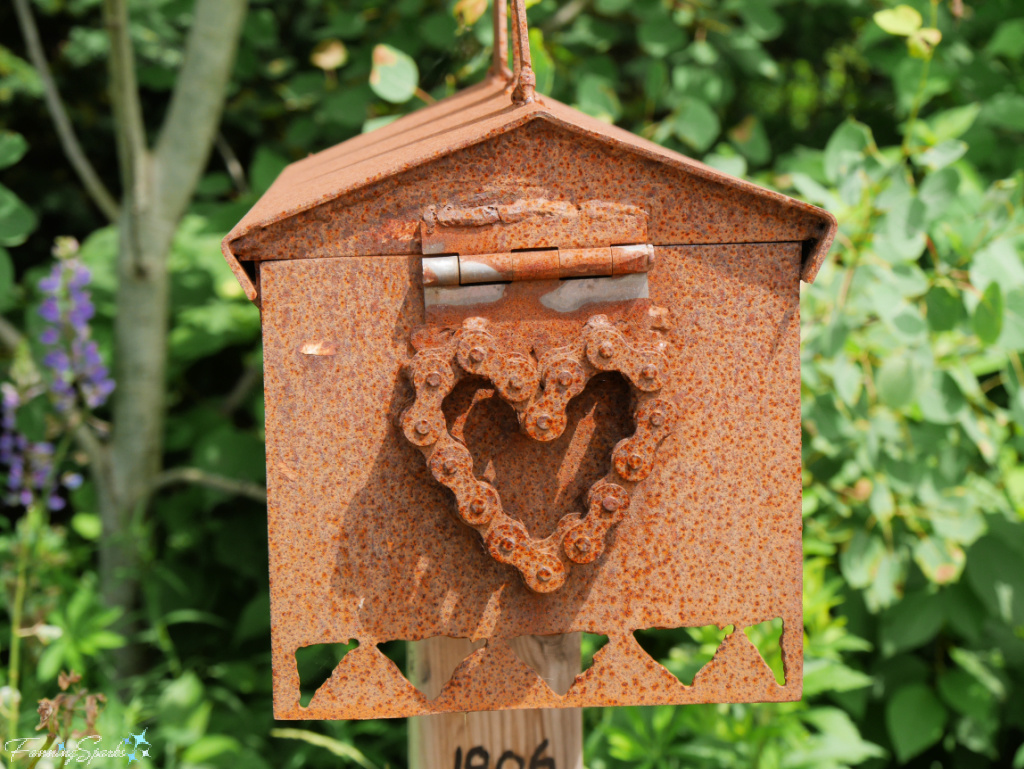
523,77
499,61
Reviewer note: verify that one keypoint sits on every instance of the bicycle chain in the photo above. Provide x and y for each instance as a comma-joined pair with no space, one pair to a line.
539,391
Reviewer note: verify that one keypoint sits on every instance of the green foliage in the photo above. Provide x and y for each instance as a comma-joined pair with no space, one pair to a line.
905,120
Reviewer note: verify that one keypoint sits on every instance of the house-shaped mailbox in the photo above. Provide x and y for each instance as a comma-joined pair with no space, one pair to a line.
526,374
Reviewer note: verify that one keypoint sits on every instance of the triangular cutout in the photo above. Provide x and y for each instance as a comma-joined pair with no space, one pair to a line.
431,662
737,673
315,663
767,639
493,678
554,658
365,684
590,645
682,651
623,671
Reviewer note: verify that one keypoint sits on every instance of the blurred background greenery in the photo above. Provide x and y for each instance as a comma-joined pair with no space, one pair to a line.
906,121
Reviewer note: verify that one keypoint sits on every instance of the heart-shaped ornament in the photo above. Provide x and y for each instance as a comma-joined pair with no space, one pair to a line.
539,390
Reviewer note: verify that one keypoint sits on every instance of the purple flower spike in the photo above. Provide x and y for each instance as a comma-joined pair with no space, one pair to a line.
50,336
71,480
50,310
56,503
25,497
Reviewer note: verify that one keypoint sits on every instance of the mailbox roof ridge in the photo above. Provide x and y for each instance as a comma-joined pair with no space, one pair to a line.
473,115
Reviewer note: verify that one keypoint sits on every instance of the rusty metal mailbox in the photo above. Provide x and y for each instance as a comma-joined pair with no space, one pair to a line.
527,373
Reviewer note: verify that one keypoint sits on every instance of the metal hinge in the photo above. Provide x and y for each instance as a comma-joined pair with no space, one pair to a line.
539,264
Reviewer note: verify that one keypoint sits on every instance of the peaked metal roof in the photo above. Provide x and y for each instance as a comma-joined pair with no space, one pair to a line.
471,116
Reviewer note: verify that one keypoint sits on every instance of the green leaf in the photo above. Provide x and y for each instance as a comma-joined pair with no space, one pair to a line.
1006,111
394,76
861,559
897,381
838,742
210,746
265,168
87,526
953,123
994,574
12,148
659,38
915,718
971,662
942,402
910,623
337,747
964,694
845,149
945,309
848,380
823,675
901,20
751,139
16,219
696,124
1008,39
941,155
998,262
937,191
941,562
595,96
1012,336
988,315
8,288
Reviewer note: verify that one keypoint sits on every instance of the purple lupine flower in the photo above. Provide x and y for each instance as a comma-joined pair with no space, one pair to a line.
76,371
50,310
76,374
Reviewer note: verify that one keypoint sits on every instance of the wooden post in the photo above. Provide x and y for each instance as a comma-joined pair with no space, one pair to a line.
507,739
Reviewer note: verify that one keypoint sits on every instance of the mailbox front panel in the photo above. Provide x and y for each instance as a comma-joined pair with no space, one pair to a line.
365,542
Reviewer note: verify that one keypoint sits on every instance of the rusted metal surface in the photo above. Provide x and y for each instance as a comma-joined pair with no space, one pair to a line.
502,227
549,264
527,374
368,196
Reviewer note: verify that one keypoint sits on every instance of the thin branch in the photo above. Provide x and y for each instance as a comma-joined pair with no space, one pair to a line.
243,387
565,15
190,127
10,337
232,164
199,477
124,95
94,186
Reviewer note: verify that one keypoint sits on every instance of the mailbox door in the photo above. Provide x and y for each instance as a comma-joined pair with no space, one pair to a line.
367,544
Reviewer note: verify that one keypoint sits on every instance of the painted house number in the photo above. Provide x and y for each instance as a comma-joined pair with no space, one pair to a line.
480,758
